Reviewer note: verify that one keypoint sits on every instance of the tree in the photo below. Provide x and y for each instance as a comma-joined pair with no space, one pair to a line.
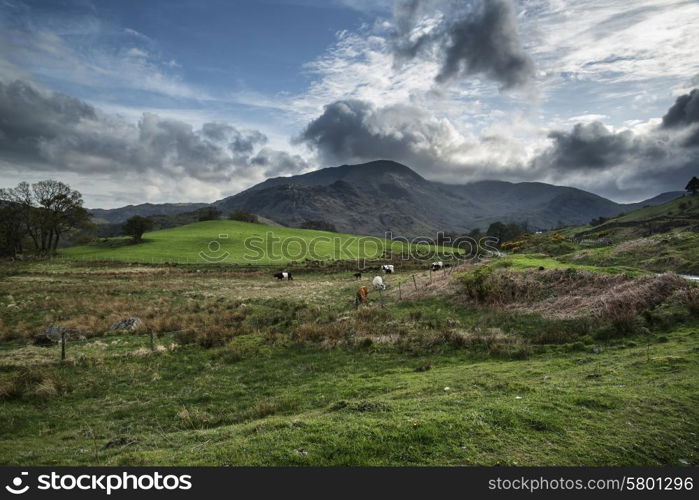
319,225
208,213
243,216
12,229
45,211
136,226
692,186
504,232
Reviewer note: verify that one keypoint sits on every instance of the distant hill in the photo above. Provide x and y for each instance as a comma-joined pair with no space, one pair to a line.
116,215
381,196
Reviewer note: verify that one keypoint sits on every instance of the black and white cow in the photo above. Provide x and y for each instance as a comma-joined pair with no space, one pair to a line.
284,275
387,268
436,266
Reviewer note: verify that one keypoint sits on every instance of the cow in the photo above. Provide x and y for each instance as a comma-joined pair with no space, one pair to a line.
387,268
436,266
361,297
284,275
378,283
358,276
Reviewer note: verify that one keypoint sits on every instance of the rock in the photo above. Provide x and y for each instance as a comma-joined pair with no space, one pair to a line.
130,324
51,335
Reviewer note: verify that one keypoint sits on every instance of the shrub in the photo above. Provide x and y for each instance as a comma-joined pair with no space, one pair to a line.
476,283
243,216
622,315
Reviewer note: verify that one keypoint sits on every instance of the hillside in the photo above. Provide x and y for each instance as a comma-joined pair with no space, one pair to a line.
118,215
660,238
381,196
223,242
384,196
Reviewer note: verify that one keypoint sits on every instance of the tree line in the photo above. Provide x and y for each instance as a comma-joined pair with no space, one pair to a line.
34,218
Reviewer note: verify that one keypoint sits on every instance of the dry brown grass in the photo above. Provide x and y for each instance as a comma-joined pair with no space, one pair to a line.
563,293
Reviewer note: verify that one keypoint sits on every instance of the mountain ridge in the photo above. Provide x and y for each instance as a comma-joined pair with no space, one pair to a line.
385,196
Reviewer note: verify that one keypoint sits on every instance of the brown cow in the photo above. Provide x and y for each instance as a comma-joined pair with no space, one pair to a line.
361,296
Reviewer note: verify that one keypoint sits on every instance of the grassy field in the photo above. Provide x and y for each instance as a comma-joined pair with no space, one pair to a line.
224,242
449,368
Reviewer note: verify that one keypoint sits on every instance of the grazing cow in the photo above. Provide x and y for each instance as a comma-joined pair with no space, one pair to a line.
284,275
436,266
378,283
358,276
387,268
361,297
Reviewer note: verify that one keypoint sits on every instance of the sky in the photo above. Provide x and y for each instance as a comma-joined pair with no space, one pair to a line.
192,101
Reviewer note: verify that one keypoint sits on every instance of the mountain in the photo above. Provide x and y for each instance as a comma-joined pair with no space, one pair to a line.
381,196
117,215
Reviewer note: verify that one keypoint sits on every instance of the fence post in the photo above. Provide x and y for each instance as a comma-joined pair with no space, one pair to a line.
63,345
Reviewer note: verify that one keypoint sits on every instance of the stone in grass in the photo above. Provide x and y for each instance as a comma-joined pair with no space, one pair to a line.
51,335
129,324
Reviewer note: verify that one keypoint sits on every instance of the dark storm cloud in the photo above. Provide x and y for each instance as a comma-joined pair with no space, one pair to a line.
342,133
52,131
28,117
467,41
352,130
684,112
663,158
594,147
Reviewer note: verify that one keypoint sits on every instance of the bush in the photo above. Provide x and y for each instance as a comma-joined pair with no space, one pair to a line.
243,216
622,315
208,213
319,225
476,283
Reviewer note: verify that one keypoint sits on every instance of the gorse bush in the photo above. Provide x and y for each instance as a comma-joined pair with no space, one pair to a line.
477,283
